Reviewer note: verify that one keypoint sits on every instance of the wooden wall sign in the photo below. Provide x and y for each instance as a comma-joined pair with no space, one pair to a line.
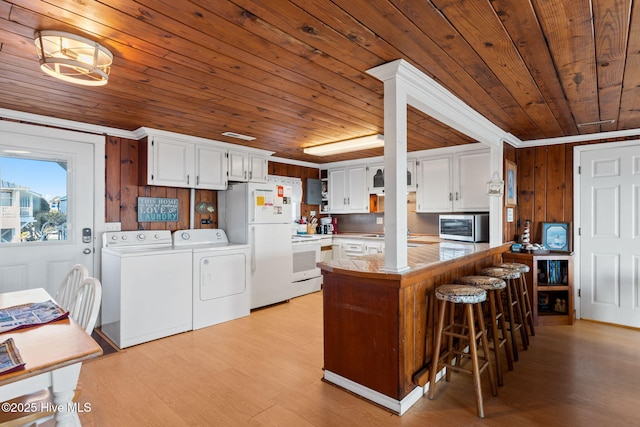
157,209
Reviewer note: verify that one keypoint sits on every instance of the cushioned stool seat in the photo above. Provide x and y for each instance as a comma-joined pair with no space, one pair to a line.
524,293
467,333
494,287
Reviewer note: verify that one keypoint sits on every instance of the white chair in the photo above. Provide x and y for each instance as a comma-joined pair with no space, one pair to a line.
86,303
70,284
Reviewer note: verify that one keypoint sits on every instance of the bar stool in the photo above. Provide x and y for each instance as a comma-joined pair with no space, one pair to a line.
524,293
470,296
513,306
494,287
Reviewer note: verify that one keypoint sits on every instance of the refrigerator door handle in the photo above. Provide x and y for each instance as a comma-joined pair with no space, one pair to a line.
253,250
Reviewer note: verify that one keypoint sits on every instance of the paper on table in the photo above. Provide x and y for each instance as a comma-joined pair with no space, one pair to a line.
10,359
32,314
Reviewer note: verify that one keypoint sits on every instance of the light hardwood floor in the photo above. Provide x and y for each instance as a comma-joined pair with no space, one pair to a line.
266,370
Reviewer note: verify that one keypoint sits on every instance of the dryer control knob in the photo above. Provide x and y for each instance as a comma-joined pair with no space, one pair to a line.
141,236
185,236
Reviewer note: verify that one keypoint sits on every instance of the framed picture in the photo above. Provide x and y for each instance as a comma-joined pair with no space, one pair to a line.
556,236
511,177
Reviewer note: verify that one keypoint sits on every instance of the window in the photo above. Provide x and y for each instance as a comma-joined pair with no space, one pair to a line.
33,200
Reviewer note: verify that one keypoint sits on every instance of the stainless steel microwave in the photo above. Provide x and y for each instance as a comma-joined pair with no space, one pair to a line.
467,228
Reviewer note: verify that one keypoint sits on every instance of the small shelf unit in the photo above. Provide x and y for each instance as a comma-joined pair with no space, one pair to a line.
550,284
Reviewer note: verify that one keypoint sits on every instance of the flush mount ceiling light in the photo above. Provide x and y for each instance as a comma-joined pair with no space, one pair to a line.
73,58
346,146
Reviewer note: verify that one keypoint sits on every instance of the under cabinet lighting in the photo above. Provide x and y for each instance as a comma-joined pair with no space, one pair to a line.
346,146
73,58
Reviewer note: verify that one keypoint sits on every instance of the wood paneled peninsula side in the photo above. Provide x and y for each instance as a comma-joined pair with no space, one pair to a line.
378,326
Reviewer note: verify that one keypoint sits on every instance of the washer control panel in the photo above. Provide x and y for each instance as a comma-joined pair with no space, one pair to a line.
112,239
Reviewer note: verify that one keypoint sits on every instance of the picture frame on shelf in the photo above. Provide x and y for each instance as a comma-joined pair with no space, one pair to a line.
556,236
511,177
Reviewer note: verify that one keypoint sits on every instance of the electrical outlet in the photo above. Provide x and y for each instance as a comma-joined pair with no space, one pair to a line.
313,213
112,226
379,220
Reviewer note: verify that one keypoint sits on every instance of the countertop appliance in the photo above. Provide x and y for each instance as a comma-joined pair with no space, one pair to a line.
260,215
220,276
146,287
466,228
307,276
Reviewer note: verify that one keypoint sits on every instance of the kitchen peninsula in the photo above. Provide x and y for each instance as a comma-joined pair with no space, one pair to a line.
378,326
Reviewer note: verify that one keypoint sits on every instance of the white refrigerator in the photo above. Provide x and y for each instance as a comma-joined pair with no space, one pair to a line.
260,215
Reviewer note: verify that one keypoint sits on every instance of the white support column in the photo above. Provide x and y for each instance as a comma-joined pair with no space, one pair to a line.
395,173
405,85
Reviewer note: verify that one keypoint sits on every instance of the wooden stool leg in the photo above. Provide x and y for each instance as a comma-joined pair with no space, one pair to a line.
473,351
450,340
436,350
527,304
512,322
506,339
485,348
519,312
496,336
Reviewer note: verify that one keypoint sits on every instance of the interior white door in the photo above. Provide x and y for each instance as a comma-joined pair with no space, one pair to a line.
33,254
609,242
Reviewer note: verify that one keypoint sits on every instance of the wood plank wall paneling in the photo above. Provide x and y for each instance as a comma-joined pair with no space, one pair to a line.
123,187
545,186
302,172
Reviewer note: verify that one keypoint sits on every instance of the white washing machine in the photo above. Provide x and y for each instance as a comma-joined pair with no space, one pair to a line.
221,279
146,287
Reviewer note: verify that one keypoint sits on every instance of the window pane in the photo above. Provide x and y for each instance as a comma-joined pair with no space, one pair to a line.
33,200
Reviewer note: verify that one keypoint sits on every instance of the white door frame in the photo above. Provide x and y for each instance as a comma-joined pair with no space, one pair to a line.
98,142
577,154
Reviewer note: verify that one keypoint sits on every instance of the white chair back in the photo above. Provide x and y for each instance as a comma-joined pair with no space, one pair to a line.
70,284
86,303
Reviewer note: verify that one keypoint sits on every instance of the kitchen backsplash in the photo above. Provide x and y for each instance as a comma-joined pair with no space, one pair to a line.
419,223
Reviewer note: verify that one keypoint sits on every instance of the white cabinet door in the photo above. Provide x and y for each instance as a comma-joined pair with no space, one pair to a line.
238,164
338,190
357,196
472,171
258,168
434,192
171,163
454,183
211,165
247,167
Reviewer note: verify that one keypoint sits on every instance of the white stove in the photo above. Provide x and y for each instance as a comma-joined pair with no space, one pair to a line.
307,277
220,275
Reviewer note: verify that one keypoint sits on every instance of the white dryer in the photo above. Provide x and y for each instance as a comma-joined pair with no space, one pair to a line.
221,279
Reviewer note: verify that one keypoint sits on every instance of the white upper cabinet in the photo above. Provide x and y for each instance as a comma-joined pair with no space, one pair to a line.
175,160
244,166
175,163
375,177
348,190
454,182
170,162
211,168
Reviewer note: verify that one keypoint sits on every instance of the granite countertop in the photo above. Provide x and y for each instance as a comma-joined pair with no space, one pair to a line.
418,258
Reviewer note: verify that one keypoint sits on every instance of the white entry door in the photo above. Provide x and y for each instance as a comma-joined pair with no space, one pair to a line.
610,234
47,199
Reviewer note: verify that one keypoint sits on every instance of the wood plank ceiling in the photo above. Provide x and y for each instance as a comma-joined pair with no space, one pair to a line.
293,73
